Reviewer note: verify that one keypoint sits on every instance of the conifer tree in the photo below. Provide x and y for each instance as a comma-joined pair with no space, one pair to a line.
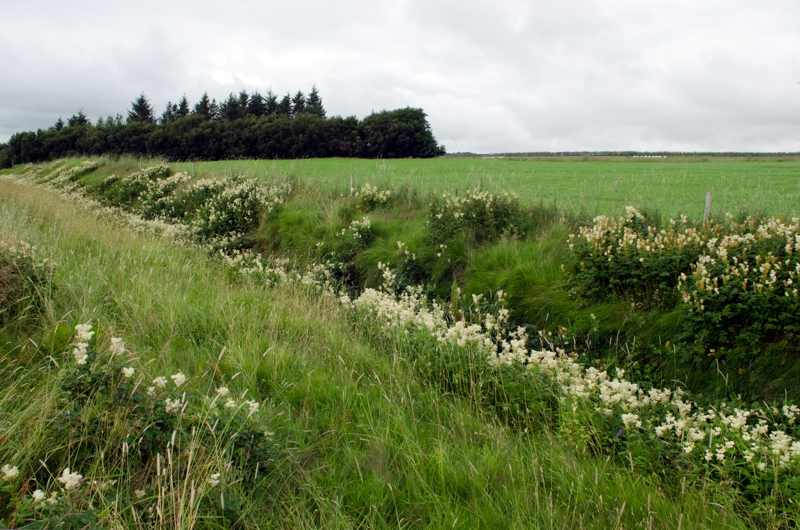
285,106
230,109
169,113
59,124
257,106
77,119
205,107
183,108
244,99
141,110
272,103
298,104
314,105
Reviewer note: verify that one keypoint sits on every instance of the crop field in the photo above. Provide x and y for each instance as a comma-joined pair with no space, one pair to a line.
253,345
674,186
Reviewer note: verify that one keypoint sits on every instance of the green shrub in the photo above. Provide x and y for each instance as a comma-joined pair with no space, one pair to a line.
25,281
124,192
484,216
742,292
371,197
238,208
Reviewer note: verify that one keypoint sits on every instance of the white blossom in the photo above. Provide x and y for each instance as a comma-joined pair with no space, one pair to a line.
70,480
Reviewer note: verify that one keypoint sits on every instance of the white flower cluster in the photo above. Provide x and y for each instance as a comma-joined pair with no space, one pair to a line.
21,250
72,174
751,436
370,197
734,259
70,480
10,472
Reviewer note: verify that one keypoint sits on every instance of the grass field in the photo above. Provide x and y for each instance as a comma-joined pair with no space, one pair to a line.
361,441
371,423
674,186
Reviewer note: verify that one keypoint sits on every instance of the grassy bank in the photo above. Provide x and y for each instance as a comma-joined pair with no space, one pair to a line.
358,441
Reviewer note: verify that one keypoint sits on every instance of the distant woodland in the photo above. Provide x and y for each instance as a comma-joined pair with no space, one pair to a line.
242,126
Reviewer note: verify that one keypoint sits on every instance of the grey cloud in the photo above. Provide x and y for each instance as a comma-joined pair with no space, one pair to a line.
493,76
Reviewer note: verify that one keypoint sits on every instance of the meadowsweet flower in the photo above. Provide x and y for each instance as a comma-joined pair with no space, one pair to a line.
128,372
178,379
70,480
230,403
83,332
80,353
151,391
10,472
117,346
39,496
762,466
139,494
172,405
223,391
160,382
253,405
213,480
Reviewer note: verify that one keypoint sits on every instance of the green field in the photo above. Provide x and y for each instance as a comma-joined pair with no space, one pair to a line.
674,186
385,409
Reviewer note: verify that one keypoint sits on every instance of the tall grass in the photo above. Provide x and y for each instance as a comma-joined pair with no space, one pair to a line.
360,440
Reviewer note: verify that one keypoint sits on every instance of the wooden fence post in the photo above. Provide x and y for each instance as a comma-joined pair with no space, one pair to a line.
707,212
480,184
352,184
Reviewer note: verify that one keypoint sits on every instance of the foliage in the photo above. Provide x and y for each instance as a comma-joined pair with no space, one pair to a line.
370,197
486,217
242,126
160,427
25,281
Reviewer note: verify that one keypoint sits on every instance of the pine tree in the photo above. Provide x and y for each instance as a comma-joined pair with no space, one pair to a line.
272,103
285,106
59,124
77,119
141,110
183,108
314,105
298,104
257,105
231,108
169,113
244,99
206,108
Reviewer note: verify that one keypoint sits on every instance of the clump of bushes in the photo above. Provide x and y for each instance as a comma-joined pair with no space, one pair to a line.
736,281
25,281
630,259
238,208
371,197
484,216
742,292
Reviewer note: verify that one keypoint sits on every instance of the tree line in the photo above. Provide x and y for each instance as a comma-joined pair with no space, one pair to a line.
241,126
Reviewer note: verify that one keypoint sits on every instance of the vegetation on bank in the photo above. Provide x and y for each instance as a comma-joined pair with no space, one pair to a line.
242,126
421,277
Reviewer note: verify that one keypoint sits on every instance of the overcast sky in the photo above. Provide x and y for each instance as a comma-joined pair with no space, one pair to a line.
493,76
